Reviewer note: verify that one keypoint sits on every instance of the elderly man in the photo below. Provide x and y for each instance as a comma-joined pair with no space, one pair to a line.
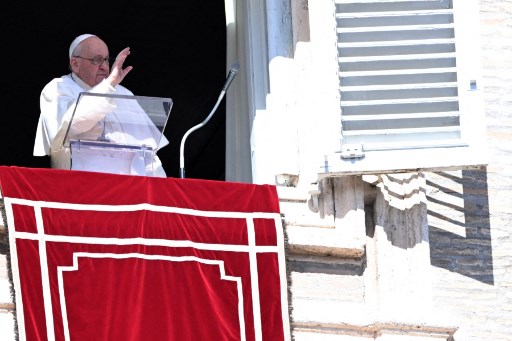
90,66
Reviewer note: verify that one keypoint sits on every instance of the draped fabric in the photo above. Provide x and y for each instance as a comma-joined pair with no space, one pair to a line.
98,256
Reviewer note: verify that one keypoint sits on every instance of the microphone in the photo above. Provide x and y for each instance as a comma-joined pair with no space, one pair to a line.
232,73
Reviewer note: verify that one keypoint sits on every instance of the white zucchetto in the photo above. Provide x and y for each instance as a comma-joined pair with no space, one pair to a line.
77,41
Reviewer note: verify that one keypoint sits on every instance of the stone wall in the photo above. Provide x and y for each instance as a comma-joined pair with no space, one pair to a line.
6,302
469,233
470,212
469,218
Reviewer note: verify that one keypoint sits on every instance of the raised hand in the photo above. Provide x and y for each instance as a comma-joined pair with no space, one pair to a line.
117,73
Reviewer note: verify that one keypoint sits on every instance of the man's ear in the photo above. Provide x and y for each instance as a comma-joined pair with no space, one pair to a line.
73,64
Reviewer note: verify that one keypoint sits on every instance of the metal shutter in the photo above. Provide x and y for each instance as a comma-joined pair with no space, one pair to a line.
410,78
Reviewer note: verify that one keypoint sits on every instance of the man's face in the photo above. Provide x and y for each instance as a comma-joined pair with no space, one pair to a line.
90,61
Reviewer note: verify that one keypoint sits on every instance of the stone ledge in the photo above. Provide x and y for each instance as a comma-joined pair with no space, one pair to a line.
323,242
326,250
344,318
371,331
7,306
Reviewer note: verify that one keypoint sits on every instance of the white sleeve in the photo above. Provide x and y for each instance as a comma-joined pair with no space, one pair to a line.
57,103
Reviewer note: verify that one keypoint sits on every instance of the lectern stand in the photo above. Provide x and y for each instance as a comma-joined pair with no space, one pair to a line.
117,134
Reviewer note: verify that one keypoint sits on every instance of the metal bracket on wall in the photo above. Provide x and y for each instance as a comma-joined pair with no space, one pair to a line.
352,151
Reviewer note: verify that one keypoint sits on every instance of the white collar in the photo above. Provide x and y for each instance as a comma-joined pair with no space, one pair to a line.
80,82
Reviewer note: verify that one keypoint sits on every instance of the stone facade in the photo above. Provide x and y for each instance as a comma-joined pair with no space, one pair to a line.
415,256
6,302
436,252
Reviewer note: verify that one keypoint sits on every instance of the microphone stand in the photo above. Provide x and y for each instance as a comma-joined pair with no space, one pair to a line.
229,79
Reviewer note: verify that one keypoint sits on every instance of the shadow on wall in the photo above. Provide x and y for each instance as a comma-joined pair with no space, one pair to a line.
459,223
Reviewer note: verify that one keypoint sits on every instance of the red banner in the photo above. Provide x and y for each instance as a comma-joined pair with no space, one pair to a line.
100,256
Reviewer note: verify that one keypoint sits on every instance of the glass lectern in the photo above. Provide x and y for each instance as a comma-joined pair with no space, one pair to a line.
118,134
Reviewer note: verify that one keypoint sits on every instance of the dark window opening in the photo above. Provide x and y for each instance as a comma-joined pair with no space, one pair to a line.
178,51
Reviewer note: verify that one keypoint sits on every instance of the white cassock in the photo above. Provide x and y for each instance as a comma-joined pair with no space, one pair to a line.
95,117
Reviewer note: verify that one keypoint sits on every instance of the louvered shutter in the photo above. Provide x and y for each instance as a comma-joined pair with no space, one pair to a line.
410,86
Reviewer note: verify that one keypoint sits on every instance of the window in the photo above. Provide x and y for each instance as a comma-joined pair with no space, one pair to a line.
410,86
379,86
